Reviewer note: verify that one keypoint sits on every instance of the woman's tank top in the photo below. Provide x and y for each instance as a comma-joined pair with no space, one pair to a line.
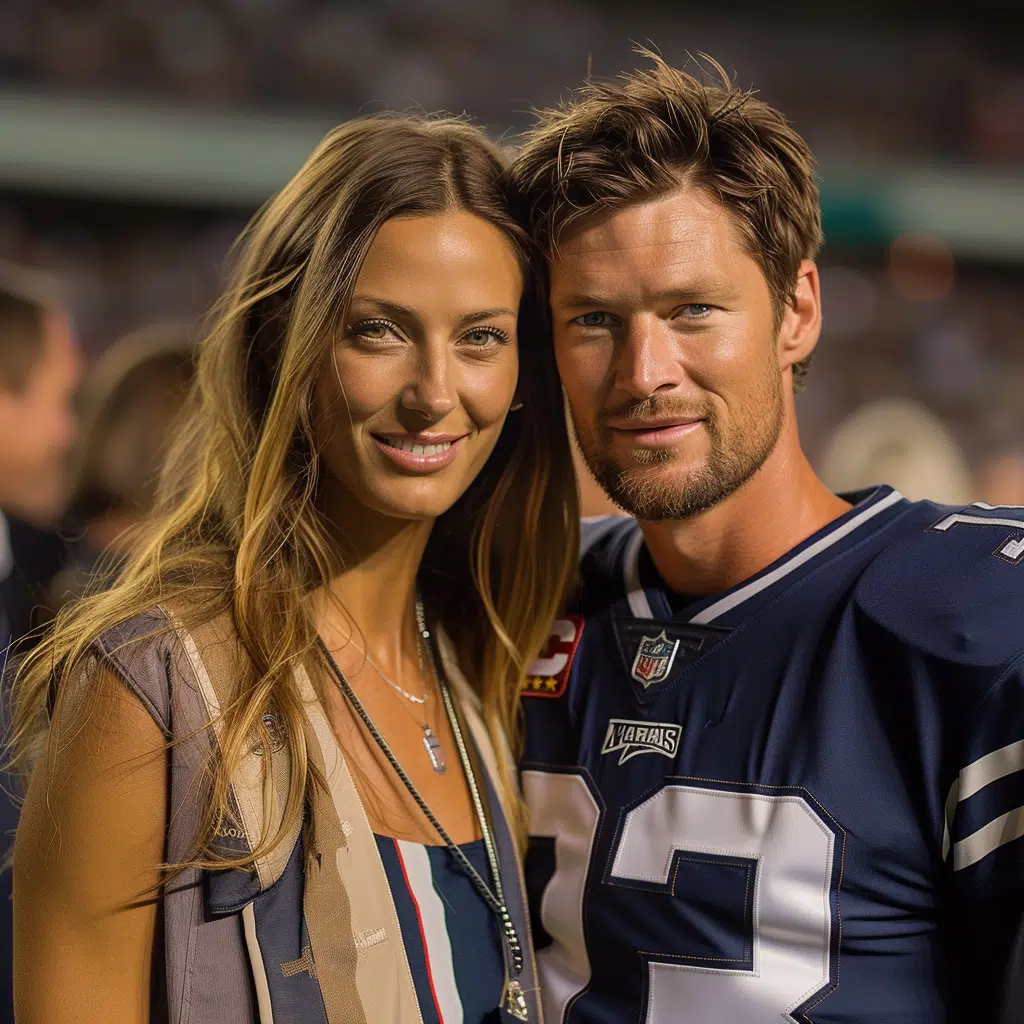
450,934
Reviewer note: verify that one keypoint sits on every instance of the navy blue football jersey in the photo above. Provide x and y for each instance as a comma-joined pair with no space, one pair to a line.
801,799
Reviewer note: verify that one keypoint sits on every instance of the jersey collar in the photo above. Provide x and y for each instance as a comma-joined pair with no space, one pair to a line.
647,602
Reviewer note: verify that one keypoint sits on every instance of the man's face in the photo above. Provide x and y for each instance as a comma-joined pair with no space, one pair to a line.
665,335
37,428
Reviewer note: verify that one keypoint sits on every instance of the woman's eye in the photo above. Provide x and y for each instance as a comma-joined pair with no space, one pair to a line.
480,337
371,330
594,320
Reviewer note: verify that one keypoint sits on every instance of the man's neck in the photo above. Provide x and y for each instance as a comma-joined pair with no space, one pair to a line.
782,504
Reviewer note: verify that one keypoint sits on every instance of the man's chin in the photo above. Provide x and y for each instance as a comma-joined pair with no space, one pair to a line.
663,491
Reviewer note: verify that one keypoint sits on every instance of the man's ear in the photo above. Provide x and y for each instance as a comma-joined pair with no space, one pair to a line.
801,319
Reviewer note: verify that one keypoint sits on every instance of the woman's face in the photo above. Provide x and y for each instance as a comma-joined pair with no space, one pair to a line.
412,396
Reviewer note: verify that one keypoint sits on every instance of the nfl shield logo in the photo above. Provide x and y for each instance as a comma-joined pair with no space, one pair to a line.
654,657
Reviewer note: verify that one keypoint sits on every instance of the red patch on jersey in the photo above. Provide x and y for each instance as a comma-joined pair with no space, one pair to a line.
548,676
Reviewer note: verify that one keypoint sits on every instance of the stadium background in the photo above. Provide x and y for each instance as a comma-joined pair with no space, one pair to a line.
136,138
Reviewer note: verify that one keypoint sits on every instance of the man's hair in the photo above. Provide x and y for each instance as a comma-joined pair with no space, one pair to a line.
25,298
612,145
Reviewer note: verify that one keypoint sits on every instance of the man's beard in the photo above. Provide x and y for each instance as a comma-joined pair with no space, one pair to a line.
644,492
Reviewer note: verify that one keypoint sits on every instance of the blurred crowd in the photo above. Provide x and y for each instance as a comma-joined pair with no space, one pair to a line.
80,446
954,89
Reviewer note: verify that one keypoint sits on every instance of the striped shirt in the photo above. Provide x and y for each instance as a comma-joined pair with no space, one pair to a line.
450,935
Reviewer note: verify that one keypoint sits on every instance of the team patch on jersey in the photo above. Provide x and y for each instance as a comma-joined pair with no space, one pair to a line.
633,738
654,658
548,675
653,650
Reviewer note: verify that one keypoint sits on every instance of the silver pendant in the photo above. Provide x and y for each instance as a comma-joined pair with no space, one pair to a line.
514,1002
434,750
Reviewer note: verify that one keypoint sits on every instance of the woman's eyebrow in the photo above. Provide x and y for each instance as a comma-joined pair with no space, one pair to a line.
486,314
400,312
395,309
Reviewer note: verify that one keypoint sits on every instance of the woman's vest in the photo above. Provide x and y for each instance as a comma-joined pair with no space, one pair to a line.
311,936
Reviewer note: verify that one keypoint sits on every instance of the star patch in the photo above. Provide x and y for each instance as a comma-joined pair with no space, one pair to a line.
548,675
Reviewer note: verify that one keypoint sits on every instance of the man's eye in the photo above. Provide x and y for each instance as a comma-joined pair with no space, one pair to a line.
594,320
696,310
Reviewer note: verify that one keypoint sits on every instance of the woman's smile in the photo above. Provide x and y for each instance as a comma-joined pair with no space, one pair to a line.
420,452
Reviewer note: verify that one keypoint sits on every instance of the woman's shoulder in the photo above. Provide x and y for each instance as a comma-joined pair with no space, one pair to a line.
158,653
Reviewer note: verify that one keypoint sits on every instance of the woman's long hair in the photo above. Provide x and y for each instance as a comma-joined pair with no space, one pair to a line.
238,527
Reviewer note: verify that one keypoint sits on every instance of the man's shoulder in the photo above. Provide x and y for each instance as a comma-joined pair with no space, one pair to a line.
951,583
604,541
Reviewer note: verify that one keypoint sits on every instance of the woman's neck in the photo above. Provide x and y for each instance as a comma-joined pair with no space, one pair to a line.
369,604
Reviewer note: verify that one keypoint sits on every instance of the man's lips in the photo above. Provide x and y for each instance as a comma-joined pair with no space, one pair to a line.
655,433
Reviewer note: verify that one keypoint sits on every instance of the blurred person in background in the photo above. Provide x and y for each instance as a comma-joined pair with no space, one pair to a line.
39,373
899,442
130,399
39,370
1001,478
301,691
777,770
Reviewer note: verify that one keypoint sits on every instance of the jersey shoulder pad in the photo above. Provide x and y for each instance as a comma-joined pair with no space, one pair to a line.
603,541
952,582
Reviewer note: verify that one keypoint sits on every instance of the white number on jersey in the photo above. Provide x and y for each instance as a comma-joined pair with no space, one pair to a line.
792,914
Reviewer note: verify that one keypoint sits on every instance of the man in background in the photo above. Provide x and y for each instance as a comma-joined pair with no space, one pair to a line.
39,371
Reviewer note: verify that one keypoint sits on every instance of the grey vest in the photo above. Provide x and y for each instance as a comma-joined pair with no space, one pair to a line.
310,936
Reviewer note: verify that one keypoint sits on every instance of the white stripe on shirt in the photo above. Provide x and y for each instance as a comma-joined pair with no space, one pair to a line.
416,860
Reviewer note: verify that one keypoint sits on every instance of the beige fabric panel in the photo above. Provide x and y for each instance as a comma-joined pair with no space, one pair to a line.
359,952
260,783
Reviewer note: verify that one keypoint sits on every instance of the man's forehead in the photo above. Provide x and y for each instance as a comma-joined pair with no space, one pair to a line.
684,231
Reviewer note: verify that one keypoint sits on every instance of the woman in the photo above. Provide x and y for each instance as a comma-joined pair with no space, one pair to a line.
367,524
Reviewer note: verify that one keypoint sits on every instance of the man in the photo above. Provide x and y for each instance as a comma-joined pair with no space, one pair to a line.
774,757
39,370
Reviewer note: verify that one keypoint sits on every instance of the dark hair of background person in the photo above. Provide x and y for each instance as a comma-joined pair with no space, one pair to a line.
613,145
26,296
129,403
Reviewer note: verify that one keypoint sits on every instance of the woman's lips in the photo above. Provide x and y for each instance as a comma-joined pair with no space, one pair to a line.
425,454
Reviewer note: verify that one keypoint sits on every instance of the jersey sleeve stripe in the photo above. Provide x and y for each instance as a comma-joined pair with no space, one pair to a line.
992,766
975,777
984,841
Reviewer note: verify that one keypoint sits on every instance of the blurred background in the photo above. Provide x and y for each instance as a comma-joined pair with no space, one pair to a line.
135,140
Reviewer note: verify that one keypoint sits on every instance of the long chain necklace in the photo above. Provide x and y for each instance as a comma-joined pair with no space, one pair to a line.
513,999
431,741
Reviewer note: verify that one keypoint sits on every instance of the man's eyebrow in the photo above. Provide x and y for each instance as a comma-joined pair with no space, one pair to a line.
696,292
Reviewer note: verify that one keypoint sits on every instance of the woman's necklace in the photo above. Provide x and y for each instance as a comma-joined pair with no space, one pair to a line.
513,1000
438,759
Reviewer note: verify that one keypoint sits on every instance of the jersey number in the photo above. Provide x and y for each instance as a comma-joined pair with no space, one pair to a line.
794,852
